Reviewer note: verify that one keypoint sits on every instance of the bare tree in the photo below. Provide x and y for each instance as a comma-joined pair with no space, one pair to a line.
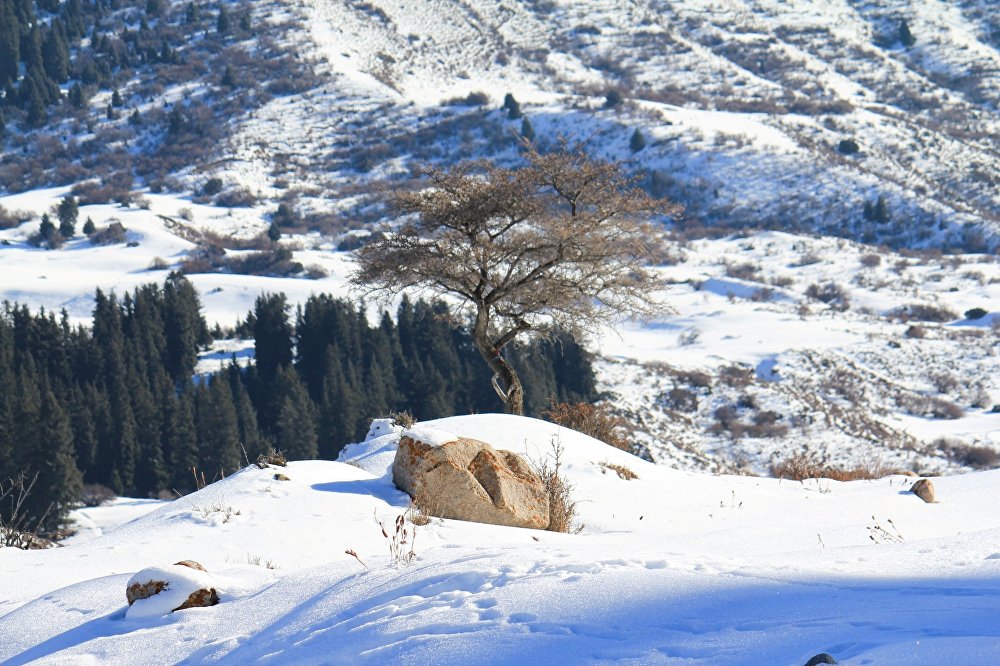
563,242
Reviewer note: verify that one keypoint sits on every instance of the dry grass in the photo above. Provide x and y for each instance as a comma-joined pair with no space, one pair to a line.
622,471
801,466
562,506
272,457
597,421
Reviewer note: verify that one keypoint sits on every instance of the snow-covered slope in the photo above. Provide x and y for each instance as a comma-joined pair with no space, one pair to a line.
670,567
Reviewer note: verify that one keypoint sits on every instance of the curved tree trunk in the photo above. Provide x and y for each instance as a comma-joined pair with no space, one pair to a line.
505,379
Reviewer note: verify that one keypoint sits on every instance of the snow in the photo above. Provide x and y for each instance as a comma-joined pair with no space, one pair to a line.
428,435
671,567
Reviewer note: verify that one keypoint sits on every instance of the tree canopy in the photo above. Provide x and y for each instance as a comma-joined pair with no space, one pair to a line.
563,242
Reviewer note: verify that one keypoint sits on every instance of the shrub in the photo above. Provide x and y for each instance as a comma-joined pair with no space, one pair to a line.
871,260
110,235
977,457
736,376
847,147
12,218
802,466
596,421
562,506
682,400
622,471
922,312
158,264
212,187
236,198
975,313
94,494
747,271
830,293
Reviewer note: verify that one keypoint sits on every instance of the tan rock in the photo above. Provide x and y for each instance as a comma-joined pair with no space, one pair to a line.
924,489
470,480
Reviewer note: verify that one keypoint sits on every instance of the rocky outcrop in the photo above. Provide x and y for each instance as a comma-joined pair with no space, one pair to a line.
466,479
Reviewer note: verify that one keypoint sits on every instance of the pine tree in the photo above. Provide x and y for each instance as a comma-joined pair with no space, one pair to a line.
116,99
274,232
906,37
55,53
295,431
218,430
228,78
185,328
10,43
272,334
153,7
89,227
47,230
181,441
68,211
76,96
245,24
637,142
222,22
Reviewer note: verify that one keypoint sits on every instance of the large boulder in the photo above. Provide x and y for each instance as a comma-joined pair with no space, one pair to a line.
465,479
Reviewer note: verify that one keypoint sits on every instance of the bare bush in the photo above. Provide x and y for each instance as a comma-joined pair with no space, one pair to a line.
736,376
977,457
94,494
562,506
112,234
922,312
802,466
597,421
623,472
12,218
830,293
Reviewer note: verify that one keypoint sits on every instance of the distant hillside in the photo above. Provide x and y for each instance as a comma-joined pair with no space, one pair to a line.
759,114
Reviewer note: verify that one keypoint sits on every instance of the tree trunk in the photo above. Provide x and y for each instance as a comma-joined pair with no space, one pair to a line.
505,375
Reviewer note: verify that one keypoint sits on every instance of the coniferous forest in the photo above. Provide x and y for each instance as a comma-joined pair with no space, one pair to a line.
118,403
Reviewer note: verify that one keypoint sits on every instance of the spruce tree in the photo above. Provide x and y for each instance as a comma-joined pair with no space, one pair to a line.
55,53
10,43
218,430
181,440
89,227
906,37
68,211
295,430
222,22
272,334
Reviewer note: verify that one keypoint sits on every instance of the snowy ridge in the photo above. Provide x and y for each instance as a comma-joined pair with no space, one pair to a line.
673,565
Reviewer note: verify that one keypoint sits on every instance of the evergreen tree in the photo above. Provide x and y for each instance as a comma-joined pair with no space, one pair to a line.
222,22
116,99
89,227
272,334
218,430
906,37
228,78
191,13
181,441
47,230
55,53
274,232
68,211
295,431
637,142
245,24
10,43
153,7
76,96
185,328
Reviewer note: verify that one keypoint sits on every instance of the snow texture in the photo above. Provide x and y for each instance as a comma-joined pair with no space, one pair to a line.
428,435
672,567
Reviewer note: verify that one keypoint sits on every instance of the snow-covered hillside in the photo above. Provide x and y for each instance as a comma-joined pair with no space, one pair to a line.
672,567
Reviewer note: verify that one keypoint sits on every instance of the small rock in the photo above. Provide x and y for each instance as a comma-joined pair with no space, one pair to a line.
821,658
281,477
924,489
191,564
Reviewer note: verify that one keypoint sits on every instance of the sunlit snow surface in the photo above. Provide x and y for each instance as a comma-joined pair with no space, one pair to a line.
673,567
